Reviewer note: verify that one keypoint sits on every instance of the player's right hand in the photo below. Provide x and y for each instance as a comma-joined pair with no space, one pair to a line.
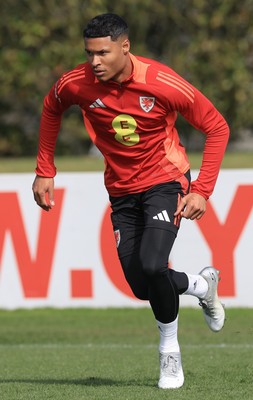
43,192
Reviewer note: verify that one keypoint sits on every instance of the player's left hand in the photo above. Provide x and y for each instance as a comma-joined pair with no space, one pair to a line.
192,206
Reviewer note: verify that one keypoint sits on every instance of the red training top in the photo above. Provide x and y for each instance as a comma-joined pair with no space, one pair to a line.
133,125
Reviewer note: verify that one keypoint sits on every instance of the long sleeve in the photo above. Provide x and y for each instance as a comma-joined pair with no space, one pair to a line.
214,126
202,114
49,128
214,149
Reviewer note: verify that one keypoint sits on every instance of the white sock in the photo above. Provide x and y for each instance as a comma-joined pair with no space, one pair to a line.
168,337
198,286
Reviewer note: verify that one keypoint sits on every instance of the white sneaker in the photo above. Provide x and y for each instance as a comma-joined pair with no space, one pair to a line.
171,371
212,308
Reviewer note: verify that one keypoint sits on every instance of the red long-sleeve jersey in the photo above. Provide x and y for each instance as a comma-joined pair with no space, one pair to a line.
133,125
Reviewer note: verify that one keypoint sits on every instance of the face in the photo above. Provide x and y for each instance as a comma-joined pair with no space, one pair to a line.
109,59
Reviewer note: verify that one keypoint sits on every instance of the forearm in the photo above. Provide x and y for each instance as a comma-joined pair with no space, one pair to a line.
49,129
215,146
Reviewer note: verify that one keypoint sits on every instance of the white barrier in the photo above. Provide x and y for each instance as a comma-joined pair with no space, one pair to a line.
67,257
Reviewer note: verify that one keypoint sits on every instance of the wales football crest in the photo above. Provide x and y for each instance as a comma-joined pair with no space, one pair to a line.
147,103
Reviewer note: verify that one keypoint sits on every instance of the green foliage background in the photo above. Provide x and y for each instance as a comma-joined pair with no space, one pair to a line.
210,43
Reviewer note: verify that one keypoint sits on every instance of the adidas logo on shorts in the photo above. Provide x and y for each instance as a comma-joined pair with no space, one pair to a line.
162,216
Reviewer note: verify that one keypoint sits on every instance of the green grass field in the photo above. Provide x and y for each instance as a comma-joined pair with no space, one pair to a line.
77,354
89,163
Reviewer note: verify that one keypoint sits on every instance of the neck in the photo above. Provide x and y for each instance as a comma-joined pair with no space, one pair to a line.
125,73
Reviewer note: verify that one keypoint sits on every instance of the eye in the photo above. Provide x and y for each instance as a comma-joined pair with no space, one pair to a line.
103,52
89,53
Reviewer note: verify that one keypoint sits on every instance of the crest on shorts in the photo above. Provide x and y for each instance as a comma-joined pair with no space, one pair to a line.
147,103
117,237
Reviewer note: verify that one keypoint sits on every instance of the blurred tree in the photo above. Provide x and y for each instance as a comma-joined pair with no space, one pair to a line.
209,43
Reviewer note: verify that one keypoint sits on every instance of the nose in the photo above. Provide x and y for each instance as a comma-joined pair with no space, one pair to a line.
95,61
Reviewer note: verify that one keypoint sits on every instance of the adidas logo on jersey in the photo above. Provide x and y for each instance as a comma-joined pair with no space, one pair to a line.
162,216
97,104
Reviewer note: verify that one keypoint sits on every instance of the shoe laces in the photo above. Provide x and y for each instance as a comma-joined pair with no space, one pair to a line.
208,307
170,365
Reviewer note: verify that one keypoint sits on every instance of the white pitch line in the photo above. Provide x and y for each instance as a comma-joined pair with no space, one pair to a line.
121,346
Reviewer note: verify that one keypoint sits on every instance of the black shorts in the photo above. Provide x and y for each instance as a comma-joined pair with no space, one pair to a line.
154,208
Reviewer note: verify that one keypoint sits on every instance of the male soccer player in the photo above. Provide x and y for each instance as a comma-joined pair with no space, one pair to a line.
130,107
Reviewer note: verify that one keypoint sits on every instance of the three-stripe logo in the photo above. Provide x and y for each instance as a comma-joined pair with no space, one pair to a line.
97,104
162,216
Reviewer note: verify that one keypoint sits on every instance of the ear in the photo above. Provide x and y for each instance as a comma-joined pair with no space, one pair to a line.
126,46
